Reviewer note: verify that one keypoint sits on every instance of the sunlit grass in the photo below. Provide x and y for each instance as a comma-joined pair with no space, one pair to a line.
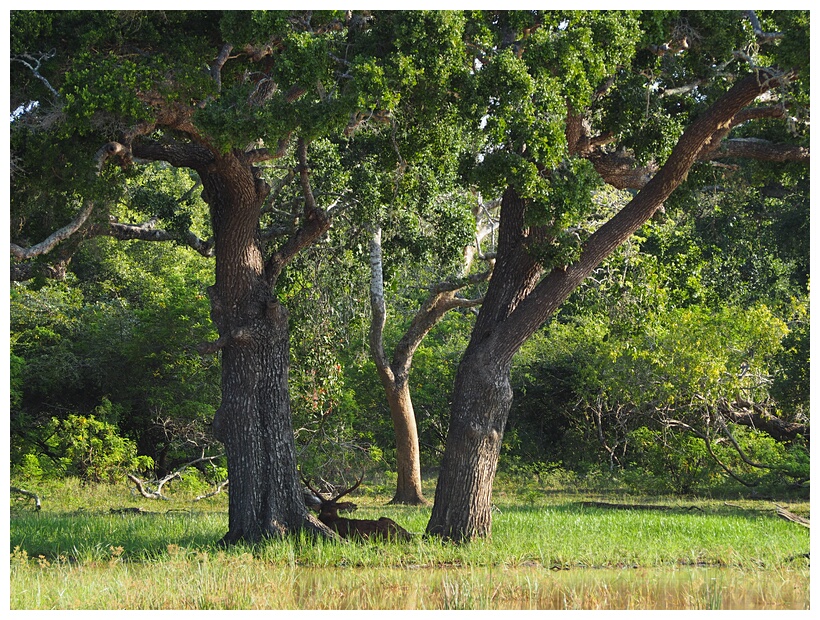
223,580
77,554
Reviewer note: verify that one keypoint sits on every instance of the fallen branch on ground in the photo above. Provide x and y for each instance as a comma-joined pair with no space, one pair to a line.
637,506
30,494
129,510
790,516
157,494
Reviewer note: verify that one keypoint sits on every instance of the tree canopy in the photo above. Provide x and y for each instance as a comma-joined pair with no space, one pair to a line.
254,137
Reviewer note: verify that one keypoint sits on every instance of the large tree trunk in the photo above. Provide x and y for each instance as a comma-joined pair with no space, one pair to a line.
482,394
254,424
517,304
481,404
254,418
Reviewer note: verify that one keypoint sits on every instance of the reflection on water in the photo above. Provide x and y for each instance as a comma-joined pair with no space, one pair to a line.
539,588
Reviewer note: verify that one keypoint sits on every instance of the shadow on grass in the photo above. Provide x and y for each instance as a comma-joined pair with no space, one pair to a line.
94,536
601,505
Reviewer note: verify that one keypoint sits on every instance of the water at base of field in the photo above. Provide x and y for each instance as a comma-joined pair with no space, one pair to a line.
540,588
244,583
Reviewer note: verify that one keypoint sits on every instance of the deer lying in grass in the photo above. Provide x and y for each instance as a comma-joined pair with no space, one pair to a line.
328,509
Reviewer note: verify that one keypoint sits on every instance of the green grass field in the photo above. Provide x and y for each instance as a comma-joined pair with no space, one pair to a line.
548,550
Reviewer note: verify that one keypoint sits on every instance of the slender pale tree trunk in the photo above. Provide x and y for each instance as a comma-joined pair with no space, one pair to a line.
395,380
395,373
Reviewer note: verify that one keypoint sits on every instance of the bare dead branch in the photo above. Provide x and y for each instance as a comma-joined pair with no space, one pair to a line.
30,494
146,492
216,491
33,64
790,516
55,238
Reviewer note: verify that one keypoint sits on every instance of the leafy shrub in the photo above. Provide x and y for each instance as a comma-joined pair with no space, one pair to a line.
28,469
666,461
93,449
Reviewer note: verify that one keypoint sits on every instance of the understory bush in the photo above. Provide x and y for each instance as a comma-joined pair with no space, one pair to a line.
88,448
671,461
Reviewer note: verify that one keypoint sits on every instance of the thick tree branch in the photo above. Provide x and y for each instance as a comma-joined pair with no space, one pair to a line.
55,238
754,416
559,284
219,62
620,169
442,299
180,155
145,232
315,222
148,232
258,155
173,115
761,150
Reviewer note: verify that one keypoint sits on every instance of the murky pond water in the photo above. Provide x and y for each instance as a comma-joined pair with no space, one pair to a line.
256,585
539,588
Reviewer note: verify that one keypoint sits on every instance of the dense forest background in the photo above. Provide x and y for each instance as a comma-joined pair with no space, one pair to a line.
706,309
680,366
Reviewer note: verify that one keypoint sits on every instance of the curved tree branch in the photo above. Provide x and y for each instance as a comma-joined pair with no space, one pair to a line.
315,222
147,231
33,63
219,62
707,442
552,290
762,37
55,238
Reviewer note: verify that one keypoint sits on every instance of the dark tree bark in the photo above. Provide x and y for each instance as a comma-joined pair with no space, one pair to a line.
254,419
519,301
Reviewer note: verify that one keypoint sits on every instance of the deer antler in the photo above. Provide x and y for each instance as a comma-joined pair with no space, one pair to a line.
315,492
350,490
